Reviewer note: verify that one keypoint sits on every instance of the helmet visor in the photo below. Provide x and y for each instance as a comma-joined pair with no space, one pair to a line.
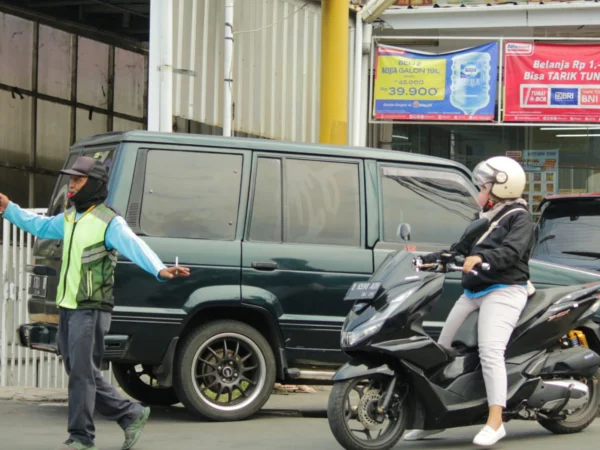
483,174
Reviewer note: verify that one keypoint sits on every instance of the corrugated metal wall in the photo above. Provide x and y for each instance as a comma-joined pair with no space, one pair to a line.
276,66
55,88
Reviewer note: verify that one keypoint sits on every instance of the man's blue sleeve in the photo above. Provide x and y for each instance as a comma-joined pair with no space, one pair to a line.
121,238
39,226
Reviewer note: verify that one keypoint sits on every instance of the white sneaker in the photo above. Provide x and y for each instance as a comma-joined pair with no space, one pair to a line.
487,436
416,435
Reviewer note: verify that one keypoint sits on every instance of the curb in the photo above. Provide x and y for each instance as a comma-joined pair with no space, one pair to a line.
59,395
38,395
306,414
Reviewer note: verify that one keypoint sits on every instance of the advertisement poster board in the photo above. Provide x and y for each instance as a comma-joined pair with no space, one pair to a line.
417,3
412,85
551,82
541,169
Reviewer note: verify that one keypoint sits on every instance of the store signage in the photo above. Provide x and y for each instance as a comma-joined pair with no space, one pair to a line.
467,2
513,153
540,160
412,85
551,82
541,169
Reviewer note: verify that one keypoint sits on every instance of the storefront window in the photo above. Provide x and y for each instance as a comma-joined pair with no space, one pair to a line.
559,160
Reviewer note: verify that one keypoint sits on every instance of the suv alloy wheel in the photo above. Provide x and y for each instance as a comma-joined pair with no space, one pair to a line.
225,371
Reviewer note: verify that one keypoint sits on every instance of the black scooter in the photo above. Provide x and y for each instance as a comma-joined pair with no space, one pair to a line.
399,378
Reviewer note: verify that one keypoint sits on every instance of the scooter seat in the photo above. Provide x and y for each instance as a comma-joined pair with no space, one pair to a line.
466,337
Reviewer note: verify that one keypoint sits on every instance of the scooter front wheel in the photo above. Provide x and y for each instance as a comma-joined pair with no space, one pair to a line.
354,418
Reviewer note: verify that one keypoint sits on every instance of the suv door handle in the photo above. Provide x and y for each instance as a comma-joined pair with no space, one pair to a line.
264,265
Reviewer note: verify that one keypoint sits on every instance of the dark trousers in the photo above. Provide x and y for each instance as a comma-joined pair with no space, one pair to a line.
81,344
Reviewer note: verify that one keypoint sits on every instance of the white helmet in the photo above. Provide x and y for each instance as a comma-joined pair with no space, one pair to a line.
505,174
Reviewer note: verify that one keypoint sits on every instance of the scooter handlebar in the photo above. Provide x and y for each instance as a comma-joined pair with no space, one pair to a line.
454,268
450,267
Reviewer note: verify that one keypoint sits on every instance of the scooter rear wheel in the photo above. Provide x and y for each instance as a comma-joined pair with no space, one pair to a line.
581,419
353,405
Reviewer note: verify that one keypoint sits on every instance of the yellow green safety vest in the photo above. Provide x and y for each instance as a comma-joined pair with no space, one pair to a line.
87,272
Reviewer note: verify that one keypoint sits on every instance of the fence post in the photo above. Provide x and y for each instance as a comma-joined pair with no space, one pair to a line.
4,301
13,285
28,354
19,299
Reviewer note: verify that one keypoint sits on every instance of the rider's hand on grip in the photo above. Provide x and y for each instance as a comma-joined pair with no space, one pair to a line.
446,257
429,258
471,262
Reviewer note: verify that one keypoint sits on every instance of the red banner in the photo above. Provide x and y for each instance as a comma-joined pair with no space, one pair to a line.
551,82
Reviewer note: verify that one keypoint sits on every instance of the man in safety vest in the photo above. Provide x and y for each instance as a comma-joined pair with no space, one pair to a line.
93,234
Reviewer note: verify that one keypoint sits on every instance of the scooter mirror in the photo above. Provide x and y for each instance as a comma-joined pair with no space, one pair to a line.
404,231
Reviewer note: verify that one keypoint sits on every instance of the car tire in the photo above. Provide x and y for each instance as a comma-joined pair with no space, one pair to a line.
224,371
131,378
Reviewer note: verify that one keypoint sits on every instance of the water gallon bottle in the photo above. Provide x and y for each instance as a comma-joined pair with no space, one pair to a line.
470,82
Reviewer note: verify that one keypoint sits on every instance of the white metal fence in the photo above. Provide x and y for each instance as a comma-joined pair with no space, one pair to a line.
21,366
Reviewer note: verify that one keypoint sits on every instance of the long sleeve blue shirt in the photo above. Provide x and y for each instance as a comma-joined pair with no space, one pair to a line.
118,236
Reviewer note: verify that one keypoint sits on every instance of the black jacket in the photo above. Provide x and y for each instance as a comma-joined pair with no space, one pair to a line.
507,249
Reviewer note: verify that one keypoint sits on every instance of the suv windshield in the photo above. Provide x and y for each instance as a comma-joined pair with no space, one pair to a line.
58,202
569,233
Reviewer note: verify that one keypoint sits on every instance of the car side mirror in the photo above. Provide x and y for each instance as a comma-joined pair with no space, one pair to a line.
403,232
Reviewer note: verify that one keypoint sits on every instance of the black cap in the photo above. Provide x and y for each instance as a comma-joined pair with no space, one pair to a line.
86,166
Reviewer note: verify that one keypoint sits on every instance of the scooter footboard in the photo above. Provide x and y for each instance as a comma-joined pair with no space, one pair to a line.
575,361
357,368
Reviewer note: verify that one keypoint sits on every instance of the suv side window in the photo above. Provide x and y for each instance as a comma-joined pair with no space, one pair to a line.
322,201
437,205
266,221
191,195
567,233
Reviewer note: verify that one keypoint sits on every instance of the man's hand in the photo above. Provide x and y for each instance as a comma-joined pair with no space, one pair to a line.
471,262
174,272
3,203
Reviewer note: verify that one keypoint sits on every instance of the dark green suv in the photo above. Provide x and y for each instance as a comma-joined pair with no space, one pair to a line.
274,234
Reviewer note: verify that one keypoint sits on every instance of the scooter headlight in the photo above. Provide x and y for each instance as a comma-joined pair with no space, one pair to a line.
369,328
351,338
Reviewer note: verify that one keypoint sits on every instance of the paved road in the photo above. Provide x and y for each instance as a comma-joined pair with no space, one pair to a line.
31,426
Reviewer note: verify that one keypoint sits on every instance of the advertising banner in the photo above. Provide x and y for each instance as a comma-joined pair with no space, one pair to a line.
551,82
412,85
418,3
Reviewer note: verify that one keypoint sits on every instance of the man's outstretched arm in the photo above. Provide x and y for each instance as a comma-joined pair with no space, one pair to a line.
121,238
41,227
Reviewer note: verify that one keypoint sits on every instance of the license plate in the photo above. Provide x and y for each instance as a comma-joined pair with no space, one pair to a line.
362,291
38,285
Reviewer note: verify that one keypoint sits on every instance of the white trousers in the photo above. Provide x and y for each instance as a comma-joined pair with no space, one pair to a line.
499,312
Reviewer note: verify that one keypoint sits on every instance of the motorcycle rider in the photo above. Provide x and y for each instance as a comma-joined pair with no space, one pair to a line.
500,293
